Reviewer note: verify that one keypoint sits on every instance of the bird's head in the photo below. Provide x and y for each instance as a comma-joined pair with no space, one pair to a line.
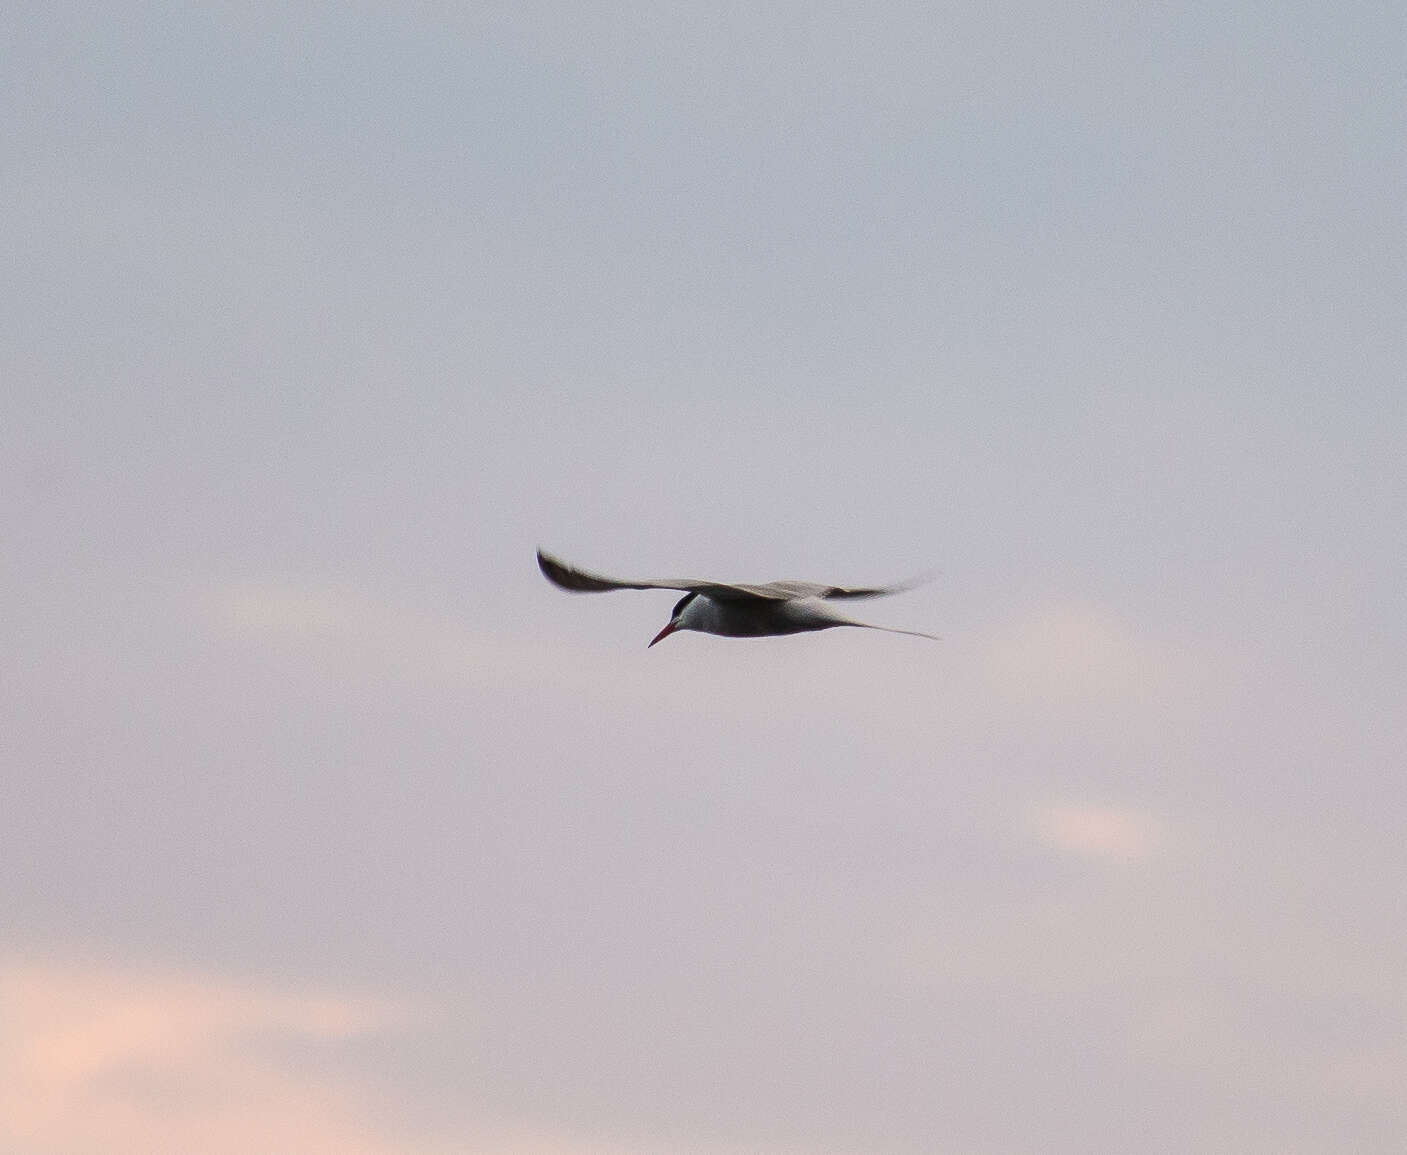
678,619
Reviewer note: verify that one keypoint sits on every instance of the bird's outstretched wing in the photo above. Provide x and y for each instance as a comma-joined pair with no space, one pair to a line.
858,592
583,581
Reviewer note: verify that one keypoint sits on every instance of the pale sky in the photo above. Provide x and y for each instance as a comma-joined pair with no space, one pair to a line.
329,826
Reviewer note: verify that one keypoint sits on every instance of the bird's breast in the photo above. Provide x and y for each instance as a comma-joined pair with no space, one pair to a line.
759,618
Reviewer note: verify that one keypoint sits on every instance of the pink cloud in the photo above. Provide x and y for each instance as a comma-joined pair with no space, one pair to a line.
1098,831
113,1061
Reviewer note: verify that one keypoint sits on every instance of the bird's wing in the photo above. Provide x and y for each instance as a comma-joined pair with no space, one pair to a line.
790,590
584,582
857,592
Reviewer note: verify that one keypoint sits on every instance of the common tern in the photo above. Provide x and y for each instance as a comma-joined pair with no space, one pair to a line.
735,609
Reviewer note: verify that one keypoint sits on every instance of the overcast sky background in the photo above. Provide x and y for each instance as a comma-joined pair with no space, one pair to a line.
328,825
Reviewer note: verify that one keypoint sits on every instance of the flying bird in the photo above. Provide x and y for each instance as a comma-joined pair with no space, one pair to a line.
734,609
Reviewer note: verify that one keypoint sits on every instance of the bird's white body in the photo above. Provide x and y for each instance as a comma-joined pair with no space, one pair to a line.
747,620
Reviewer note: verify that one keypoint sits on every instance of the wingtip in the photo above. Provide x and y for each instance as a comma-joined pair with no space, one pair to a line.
569,578
922,578
551,568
